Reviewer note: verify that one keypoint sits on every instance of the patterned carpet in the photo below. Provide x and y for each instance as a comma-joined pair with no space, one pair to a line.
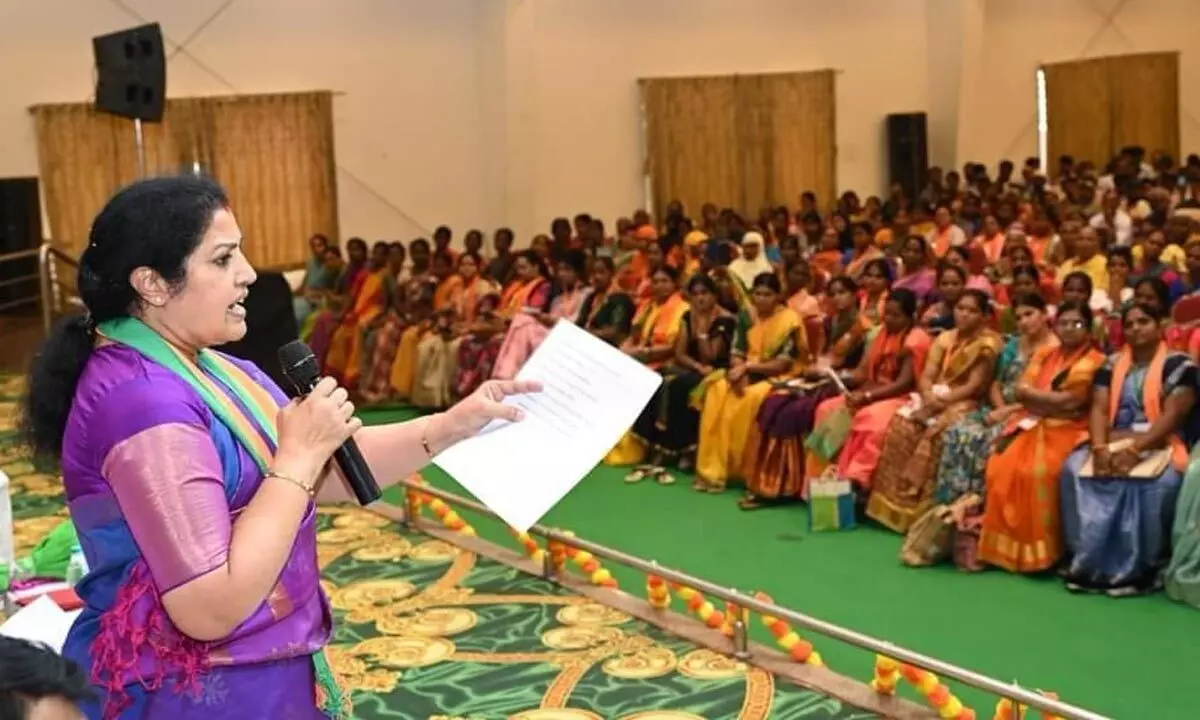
425,630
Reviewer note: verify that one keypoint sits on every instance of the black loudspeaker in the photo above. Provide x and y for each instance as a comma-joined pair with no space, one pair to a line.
131,73
270,324
908,154
20,229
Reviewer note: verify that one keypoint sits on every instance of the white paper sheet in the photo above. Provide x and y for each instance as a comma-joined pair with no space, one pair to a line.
592,392
41,621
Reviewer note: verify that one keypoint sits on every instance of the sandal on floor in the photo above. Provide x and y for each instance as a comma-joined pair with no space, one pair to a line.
640,473
662,477
749,502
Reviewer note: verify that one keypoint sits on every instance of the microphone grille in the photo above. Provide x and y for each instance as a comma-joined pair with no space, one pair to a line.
298,361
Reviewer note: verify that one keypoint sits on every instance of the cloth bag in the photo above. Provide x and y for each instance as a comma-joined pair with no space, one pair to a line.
830,504
827,437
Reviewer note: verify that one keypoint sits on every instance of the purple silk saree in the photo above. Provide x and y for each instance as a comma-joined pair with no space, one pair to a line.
154,479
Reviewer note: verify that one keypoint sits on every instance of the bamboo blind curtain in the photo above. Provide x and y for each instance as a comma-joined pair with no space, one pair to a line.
745,141
272,153
1096,107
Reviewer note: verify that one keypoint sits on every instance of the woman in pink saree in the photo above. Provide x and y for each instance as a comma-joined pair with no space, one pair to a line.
529,329
191,480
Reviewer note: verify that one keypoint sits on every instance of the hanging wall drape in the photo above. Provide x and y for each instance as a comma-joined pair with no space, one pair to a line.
1096,107
272,153
745,141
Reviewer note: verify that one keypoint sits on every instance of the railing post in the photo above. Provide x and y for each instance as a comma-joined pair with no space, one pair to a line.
44,278
548,569
741,632
410,508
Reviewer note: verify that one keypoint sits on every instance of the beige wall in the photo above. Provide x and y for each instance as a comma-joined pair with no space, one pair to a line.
489,112
1022,34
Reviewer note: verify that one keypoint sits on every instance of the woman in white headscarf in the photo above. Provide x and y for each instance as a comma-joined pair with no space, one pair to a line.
752,262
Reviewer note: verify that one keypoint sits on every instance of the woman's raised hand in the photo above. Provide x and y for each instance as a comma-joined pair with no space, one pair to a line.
468,417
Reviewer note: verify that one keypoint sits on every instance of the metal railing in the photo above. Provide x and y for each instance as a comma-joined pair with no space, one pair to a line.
13,257
52,296
971,678
49,293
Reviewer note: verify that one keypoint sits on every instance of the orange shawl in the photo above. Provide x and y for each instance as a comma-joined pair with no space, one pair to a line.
883,356
516,296
447,292
1046,366
1151,399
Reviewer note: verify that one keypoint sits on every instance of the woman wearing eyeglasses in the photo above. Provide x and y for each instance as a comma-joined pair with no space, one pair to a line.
1020,530
967,443
1118,495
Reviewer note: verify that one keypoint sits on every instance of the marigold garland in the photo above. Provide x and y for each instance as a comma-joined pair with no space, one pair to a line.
585,561
936,693
443,512
657,592
1006,711
800,650
530,546
702,608
887,675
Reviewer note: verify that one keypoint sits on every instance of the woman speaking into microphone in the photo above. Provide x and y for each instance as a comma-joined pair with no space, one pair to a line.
190,477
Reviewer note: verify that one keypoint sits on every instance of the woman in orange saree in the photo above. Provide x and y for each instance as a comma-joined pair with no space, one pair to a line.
1021,530
404,367
412,304
828,259
863,252
888,371
437,352
884,381
343,360
325,322
953,383
774,348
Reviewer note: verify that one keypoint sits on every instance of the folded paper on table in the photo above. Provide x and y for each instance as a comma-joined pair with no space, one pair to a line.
591,394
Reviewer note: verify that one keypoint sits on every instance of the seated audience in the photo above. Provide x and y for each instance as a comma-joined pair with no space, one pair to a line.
1119,492
954,383
773,348
319,279
967,443
669,425
918,277
1020,528
528,329
324,323
608,311
952,283
343,359
411,305
436,372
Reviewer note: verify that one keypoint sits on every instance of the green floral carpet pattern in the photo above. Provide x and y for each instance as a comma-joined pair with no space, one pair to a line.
426,630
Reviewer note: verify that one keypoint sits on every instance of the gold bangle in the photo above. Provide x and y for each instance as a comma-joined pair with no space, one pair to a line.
310,491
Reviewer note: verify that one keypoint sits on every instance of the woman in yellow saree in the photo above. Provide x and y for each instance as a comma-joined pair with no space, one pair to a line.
404,367
1021,531
955,379
774,348
343,361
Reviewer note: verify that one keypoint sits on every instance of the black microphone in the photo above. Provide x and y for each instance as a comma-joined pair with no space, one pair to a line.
301,369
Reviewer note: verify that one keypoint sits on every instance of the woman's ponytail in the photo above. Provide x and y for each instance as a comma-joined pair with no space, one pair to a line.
52,378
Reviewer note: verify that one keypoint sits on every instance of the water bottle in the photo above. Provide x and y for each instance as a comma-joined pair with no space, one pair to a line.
76,566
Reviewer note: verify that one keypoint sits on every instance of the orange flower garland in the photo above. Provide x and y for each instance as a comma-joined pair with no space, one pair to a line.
936,694
441,510
800,650
702,608
530,546
1006,711
657,592
887,675
590,566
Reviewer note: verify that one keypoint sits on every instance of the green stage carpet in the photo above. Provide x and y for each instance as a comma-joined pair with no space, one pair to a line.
1128,658
425,630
